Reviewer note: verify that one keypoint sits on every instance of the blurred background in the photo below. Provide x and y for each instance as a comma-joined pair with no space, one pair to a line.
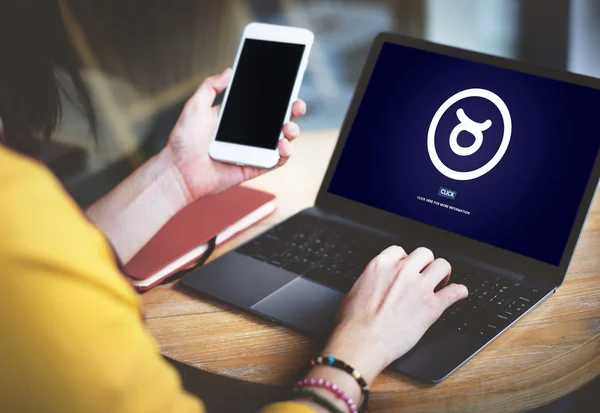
143,58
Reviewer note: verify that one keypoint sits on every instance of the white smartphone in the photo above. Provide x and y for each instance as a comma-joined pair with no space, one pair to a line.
267,75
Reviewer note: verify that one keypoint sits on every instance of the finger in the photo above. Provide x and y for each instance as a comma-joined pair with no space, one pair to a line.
211,87
298,109
420,258
437,272
442,283
216,109
291,131
385,266
285,151
451,294
396,255
250,172
395,252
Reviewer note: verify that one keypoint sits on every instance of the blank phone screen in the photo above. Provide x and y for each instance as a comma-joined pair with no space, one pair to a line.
260,93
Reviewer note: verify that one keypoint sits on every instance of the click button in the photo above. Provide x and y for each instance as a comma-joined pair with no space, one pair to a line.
447,193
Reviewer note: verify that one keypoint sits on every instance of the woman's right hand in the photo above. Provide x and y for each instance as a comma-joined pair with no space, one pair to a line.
384,315
390,307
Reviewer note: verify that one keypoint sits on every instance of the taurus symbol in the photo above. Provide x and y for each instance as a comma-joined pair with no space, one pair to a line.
474,128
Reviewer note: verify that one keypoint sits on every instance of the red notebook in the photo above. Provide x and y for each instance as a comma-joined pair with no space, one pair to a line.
185,238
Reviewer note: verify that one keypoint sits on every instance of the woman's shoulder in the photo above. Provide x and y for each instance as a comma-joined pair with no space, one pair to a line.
41,223
28,190
25,179
25,186
15,168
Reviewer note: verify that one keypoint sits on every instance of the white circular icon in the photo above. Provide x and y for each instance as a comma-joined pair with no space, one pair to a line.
474,128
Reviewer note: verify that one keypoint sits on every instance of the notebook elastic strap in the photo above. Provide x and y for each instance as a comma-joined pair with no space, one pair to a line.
211,247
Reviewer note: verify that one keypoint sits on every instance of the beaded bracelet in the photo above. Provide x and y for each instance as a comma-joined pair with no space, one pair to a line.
317,398
339,364
332,387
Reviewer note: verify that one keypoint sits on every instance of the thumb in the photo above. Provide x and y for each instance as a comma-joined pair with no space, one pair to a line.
451,294
211,87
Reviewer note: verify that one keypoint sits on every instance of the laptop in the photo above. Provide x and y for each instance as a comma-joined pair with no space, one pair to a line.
489,162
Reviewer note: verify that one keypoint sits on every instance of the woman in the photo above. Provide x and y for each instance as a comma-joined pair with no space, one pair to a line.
72,337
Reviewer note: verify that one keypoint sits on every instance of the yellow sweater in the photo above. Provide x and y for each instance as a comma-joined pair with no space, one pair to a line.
71,332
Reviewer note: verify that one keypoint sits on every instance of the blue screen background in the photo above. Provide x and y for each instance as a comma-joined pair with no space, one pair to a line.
526,204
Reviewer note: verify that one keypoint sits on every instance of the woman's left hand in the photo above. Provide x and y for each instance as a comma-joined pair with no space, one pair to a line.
187,148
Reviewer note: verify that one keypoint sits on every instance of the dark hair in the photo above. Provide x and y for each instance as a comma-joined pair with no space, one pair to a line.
34,46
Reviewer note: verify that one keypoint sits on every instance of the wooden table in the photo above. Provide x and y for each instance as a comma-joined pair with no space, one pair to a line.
552,352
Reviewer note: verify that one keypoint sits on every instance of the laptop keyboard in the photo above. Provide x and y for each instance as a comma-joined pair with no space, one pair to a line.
493,303
336,255
318,249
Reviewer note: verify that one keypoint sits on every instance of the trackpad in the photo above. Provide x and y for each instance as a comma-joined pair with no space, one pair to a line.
303,305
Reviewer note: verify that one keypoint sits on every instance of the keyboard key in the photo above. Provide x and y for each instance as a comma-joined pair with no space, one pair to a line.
521,308
453,312
502,320
488,330
276,262
451,315
289,256
250,248
300,267
499,301
465,326
271,236
318,274
509,314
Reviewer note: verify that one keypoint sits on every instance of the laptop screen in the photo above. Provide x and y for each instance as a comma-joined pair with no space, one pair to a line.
496,155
